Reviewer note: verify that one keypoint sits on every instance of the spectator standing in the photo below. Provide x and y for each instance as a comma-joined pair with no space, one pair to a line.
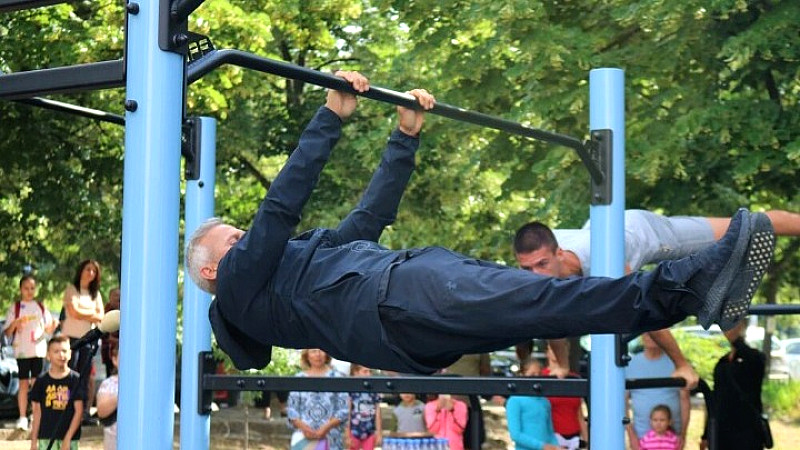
446,418
107,396
317,415
737,394
58,401
530,424
569,423
112,339
472,365
652,362
27,324
365,427
83,309
661,435
409,416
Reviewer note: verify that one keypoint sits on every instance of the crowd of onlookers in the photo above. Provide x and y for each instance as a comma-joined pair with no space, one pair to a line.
56,378
660,416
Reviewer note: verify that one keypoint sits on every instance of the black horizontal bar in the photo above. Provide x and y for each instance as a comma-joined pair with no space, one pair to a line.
81,77
90,113
16,5
650,383
550,387
771,310
197,69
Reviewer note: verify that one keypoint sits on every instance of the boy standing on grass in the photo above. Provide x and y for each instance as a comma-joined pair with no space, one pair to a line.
57,401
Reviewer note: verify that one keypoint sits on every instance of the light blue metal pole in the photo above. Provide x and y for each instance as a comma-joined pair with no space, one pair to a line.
607,381
195,428
150,236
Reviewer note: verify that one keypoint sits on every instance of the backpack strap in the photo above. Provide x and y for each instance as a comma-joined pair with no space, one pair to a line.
18,305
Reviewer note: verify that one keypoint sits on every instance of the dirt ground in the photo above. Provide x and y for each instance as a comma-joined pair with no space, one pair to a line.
787,437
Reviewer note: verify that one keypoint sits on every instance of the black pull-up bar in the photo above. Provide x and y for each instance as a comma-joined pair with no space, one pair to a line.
197,69
81,111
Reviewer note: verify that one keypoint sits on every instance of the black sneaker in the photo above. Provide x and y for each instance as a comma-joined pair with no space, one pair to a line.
759,255
716,268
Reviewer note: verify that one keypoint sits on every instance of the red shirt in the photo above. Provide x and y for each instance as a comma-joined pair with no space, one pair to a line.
565,412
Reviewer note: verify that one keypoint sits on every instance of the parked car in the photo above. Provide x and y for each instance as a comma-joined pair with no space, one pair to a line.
792,356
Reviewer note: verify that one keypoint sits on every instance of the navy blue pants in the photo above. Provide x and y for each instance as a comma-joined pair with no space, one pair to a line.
441,304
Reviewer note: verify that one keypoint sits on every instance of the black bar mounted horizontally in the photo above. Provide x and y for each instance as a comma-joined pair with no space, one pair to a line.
773,310
550,387
653,383
190,147
17,5
76,110
599,155
214,59
60,80
540,387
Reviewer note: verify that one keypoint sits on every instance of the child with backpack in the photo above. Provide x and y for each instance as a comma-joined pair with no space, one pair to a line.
27,324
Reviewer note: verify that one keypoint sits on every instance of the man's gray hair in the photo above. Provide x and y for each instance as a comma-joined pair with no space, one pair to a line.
198,255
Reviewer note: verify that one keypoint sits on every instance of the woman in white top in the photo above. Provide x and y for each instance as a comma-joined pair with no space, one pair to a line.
83,308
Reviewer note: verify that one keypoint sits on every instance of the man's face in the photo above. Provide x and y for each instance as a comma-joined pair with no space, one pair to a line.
219,241
543,261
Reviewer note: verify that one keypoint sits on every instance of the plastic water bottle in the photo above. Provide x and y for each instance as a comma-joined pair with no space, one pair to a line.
388,444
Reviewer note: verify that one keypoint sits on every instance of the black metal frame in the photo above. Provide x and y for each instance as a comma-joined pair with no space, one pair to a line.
62,80
547,387
17,5
89,113
595,153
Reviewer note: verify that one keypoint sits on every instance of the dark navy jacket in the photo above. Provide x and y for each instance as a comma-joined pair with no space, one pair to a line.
322,288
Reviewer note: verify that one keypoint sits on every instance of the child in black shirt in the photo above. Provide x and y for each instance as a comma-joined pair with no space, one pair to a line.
57,401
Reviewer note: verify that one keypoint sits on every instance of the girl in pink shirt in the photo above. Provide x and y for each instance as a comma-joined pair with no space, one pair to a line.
661,436
446,418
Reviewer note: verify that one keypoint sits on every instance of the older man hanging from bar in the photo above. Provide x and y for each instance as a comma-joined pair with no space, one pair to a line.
418,310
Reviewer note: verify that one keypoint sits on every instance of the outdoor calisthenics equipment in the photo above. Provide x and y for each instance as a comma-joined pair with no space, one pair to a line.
153,73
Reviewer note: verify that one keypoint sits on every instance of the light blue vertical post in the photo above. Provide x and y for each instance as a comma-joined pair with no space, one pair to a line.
607,381
195,428
150,236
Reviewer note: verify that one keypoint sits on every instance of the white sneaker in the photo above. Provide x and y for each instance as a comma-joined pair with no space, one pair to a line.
22,423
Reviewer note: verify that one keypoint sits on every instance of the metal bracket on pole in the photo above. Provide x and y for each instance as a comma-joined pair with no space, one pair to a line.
190,147
172,29
599,158
621,350
206,365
